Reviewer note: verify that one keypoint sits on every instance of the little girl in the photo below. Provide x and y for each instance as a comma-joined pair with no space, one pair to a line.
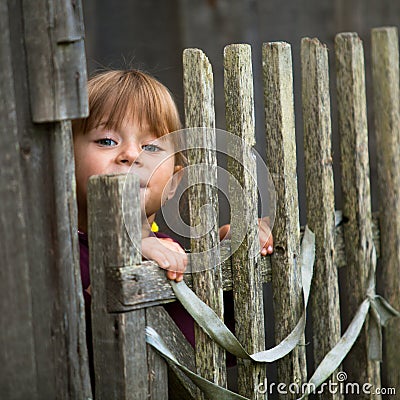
129,110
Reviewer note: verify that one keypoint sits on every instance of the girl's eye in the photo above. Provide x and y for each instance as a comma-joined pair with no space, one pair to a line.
151,148
106,142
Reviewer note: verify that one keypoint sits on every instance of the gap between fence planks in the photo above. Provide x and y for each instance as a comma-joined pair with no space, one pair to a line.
385,80
281,162
246,277
352,124
199,112
320,205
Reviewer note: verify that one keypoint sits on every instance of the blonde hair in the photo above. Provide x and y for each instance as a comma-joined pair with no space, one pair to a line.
115,96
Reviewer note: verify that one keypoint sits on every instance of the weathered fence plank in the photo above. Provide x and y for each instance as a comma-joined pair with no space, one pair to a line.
320,199
385,74
67,263
46,185
199,112
179,385
281,162
119,343
156,366
246,277
56,59
18,380
352,120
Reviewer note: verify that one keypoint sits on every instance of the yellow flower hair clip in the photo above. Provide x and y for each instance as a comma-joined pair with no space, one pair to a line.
154,227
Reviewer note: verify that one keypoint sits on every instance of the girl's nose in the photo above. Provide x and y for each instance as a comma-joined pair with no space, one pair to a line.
129,155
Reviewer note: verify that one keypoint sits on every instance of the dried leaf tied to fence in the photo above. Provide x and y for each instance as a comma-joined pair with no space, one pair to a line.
380,313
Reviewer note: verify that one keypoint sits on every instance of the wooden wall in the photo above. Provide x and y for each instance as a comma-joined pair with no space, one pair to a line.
42,337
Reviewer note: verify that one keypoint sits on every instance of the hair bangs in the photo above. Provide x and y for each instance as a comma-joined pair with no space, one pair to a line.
118,96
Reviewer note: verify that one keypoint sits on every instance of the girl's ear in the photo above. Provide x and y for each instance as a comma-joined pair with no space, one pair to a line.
175,180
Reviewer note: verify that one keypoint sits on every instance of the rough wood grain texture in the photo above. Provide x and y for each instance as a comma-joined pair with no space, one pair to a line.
156,366
247,286
145,285
72,335
56,59
55,282
320,200
352,118
340,250
179,385
281,161
385,74
48,204
19,379
119,343
203,205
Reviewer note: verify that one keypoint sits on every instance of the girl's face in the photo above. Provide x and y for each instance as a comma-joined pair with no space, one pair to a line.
102,151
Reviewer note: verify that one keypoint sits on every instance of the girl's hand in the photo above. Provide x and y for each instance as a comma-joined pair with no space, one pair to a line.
167,254
264,234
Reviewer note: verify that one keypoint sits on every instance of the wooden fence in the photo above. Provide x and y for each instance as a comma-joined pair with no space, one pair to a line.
128,294
42,340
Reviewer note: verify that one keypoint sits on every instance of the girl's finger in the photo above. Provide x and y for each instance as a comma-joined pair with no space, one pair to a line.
224,231
179,264
161,261
173,246
171,275
179,277
265,230
266,248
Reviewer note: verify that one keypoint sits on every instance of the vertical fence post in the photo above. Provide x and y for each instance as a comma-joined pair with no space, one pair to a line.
43,340
19,380
247,286
385,74
320,199
119,342
199,112
281,161
352,123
